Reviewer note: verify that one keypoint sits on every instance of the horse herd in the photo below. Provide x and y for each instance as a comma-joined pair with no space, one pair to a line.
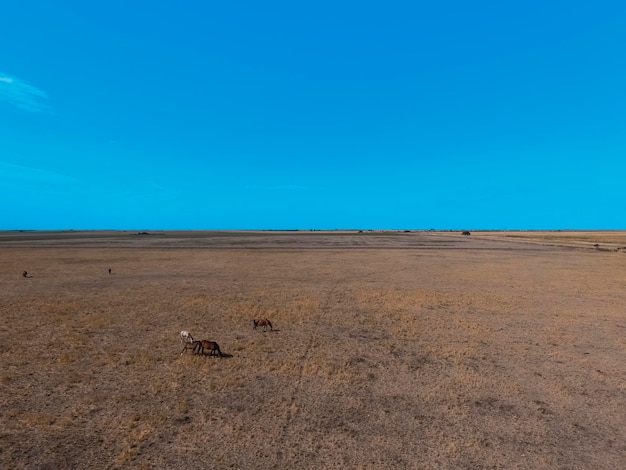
198,347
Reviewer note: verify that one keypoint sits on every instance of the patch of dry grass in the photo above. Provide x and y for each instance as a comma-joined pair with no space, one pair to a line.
380,357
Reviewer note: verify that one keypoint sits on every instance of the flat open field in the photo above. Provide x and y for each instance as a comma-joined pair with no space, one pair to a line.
424,350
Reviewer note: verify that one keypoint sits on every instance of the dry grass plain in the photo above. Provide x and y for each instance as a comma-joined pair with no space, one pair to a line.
421,350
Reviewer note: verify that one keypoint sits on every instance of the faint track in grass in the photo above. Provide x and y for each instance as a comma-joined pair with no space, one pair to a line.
293,410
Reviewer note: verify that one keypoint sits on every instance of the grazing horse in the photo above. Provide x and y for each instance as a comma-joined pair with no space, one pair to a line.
186,337
264,322
212,346
195,346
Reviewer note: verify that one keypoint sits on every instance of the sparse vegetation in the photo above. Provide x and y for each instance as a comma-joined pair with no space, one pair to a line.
388,351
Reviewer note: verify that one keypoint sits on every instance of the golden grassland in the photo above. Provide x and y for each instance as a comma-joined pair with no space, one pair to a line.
600,240
389,350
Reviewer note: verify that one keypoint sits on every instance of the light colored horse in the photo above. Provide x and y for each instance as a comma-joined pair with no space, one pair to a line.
185,337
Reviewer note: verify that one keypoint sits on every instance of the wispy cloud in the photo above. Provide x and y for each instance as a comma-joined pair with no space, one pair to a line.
21,94
284,187
23,174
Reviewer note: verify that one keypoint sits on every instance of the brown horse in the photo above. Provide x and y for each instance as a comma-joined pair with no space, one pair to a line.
264,322
195,346
212,346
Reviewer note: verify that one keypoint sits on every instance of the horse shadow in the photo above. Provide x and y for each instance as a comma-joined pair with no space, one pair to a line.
223,356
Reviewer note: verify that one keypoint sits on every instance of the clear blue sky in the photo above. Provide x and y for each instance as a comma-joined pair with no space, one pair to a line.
312,115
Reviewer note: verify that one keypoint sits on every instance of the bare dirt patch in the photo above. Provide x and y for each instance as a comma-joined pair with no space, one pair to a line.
405,350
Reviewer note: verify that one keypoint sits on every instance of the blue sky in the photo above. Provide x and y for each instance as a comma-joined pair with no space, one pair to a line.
312,115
